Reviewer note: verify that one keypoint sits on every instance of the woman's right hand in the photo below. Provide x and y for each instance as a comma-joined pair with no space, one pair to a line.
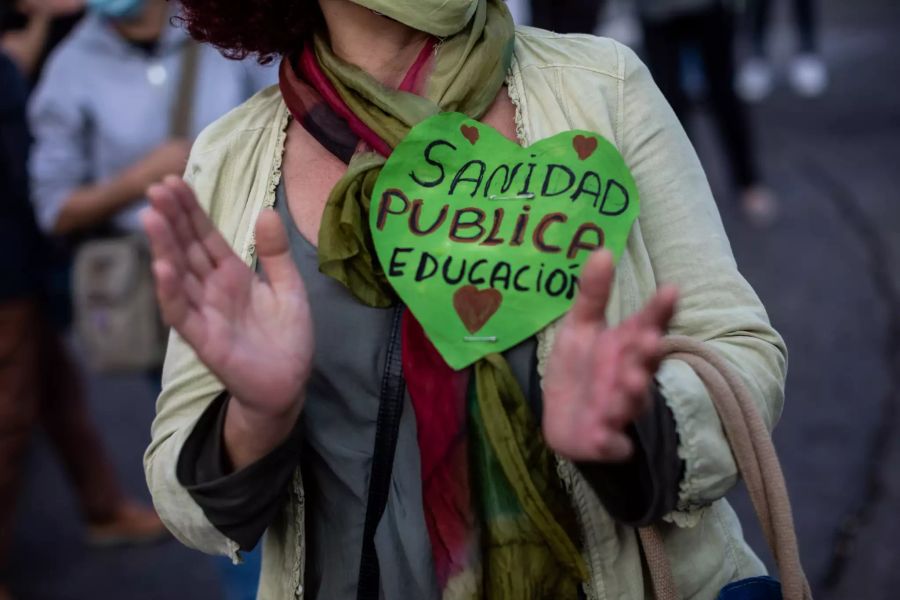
255,335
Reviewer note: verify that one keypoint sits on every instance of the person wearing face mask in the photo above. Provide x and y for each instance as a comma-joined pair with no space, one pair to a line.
100,113
117,107
301,400
111,114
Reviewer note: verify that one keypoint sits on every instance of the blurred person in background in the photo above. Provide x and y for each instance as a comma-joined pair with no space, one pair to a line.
807,72
102,116
32,29
39,383
706,29
101,110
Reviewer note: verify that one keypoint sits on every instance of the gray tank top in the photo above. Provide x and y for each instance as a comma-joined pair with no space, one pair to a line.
339,421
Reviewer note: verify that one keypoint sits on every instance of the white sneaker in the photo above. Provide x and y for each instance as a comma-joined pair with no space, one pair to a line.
754,80
808,75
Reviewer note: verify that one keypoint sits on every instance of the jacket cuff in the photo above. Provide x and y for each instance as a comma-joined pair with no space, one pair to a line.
239,504
642,490
709,467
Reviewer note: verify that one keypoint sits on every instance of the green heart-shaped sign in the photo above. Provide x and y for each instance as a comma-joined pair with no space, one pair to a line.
484,240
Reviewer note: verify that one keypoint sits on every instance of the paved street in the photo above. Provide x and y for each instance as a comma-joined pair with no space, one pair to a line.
828,271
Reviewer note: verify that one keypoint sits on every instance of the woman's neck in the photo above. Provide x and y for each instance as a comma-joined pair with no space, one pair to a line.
380,46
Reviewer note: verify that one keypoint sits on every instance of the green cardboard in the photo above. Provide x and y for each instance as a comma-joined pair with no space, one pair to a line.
484,240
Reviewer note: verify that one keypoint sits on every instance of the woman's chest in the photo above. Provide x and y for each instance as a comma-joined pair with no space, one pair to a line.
310,173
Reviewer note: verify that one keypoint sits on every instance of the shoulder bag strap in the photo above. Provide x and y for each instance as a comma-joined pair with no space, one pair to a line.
757,463
183,108
390,408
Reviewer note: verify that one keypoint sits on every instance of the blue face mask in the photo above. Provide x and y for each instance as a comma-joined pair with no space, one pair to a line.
116,9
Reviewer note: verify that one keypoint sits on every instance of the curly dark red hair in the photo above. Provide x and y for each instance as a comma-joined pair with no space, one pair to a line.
240,28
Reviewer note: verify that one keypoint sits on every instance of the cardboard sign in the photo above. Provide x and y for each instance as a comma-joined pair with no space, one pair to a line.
484,240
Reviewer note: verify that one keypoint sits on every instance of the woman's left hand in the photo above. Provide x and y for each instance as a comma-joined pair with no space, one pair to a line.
598,377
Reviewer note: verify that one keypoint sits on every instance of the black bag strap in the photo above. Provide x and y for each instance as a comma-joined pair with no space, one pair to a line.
390,408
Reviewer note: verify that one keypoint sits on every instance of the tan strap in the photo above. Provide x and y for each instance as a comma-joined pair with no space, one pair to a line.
183,108
757,462
658,563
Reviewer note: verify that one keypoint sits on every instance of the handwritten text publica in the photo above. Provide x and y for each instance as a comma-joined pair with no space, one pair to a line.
549,208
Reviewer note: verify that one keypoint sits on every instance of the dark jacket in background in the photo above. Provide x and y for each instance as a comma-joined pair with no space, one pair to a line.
21,260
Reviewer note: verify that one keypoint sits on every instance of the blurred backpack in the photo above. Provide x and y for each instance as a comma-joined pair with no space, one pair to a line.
116,314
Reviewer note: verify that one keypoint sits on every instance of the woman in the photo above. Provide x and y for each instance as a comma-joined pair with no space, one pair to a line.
95,153
267,375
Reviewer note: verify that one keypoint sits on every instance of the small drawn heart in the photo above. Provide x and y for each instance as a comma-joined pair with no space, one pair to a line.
470,133
476,307
584,146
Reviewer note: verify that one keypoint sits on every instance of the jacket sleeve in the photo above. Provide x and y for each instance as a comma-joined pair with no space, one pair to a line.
687,245
241,504
644,489
188,388
218,174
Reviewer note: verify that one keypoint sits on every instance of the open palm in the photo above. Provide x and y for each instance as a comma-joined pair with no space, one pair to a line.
255,335
597,379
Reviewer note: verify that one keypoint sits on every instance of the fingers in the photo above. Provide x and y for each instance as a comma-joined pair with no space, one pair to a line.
632,400
646,349
167,290
162,240
202,246
178,290
204,229
174,304
635,361
642,333
611,445
275,253
196,258
659,311
594,287
636,384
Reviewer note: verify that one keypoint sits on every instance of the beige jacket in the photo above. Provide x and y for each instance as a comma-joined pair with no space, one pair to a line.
557,83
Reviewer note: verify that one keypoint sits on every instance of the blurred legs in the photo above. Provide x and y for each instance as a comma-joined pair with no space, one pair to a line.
19,352
40,383
65,416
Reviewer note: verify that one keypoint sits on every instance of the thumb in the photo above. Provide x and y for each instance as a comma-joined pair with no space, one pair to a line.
274,253
593,293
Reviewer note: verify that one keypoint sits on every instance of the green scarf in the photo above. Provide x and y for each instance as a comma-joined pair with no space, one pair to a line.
469,70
